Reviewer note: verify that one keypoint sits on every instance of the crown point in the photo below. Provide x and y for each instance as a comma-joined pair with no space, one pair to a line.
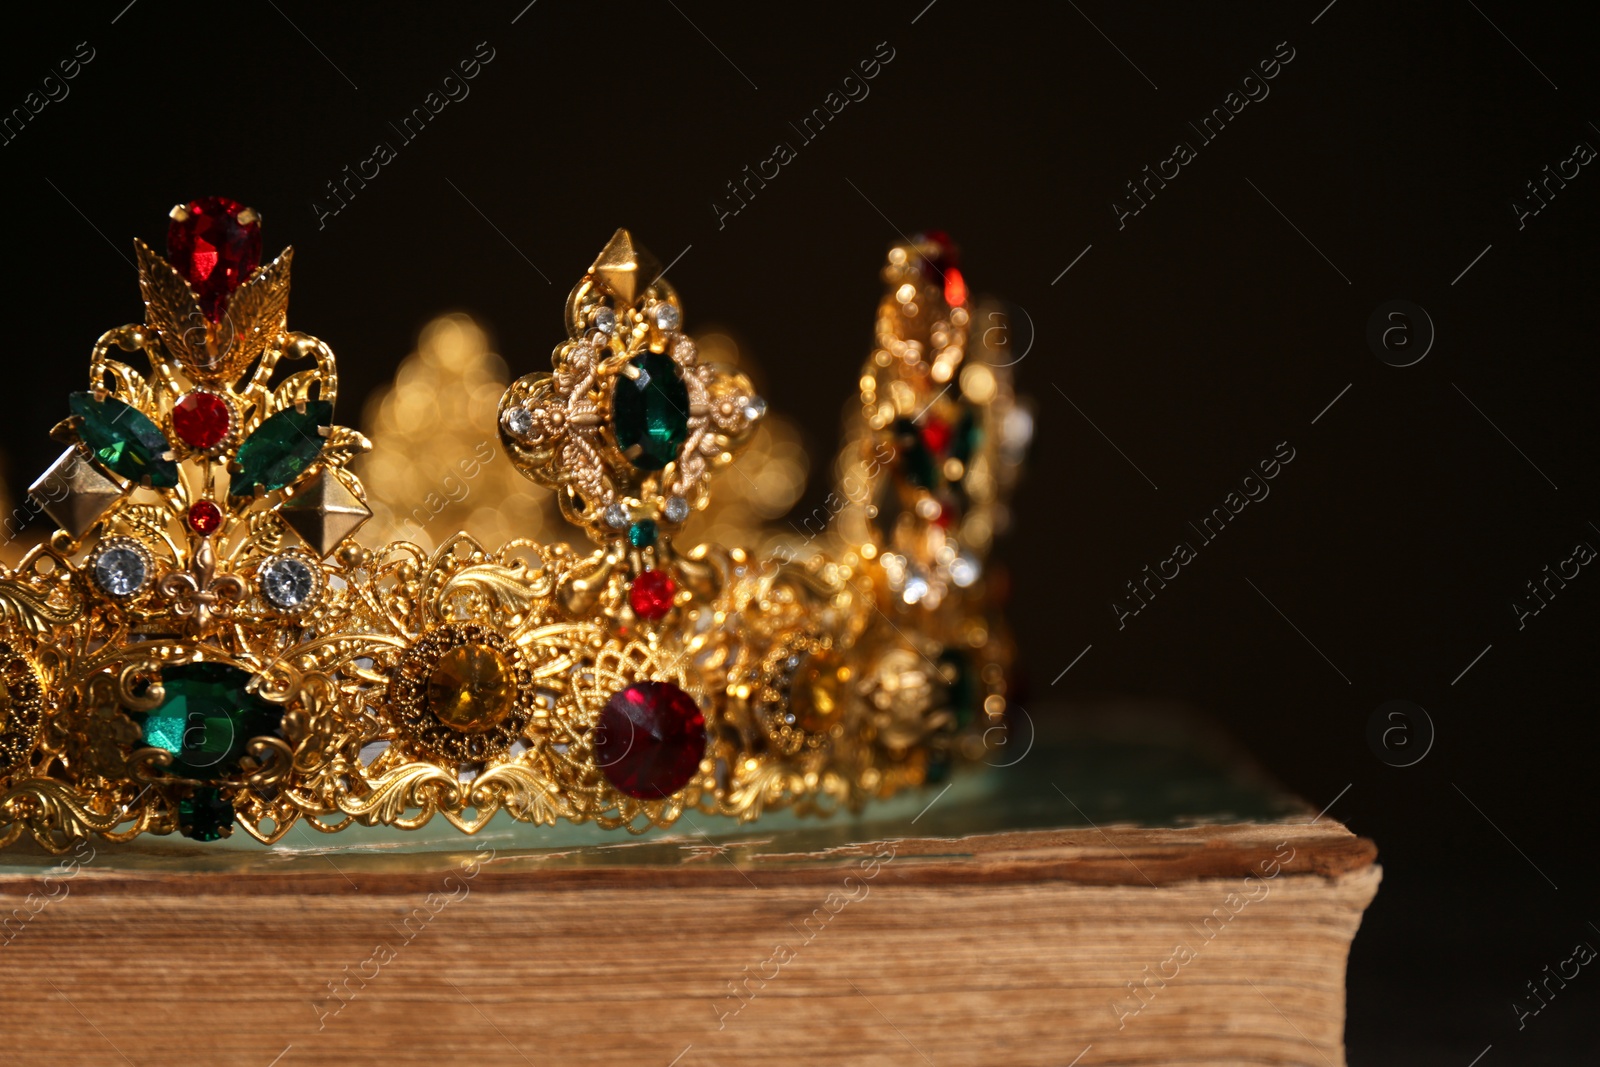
624,268
74,493
215,243
324,512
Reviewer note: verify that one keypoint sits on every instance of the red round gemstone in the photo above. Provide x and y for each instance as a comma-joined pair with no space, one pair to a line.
936,435
214,249
651,594
202,420
204,517
650,740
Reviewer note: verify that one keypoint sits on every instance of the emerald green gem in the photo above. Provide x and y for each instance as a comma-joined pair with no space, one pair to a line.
123,439
642,534
206,815
282,447
918,462
207,719
964,442
650,413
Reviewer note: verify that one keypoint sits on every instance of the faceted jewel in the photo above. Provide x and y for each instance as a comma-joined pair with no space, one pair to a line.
288,582
651,739
123,439
282,447
650,412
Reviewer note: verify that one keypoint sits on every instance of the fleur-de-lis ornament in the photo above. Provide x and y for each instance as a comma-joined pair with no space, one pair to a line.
201,595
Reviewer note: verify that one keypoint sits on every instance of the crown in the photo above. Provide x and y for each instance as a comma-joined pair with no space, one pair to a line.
203,645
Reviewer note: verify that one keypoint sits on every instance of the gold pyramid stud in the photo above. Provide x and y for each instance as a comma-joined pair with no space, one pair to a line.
74,492
324,512
625,269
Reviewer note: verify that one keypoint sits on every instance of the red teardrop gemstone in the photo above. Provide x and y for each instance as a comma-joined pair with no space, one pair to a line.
955,288
651,594
944,265
201,420
204,517
650,739
211,247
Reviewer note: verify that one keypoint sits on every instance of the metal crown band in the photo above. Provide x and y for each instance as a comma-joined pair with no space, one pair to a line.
203,644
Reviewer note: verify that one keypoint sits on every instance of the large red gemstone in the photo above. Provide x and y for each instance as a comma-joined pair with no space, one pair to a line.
651,594
201,420
936,435
651,739
217,252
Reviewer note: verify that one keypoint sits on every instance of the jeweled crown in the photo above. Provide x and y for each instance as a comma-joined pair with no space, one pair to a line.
203,644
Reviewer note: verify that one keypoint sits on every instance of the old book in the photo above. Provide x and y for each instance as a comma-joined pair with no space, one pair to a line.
1128,892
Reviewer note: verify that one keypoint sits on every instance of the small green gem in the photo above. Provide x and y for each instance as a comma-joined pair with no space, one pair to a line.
650,413
964,442
282,448
642,534
917,459
206,815
207,719
123,439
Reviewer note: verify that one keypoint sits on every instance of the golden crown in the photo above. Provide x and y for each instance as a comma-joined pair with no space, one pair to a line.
203,644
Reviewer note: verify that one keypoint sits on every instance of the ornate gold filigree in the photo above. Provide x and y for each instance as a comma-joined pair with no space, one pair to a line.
623,684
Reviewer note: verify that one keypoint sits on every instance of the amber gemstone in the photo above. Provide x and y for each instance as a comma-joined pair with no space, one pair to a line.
204,517
651,594
816,696
651,739
201,420
473,688
216,251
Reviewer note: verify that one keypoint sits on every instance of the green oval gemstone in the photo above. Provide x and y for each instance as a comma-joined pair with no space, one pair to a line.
282,448
917,461
650,413
207,719
123,439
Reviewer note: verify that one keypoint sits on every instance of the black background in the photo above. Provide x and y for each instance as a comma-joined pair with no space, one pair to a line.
1197,337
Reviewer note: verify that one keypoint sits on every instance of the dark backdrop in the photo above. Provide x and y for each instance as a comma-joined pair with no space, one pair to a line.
1182,346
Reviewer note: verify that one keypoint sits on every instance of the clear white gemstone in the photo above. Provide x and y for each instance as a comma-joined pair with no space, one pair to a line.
677,509
617,516
754,408
605,320
667,316
287,582
964,570
518,421
120,571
